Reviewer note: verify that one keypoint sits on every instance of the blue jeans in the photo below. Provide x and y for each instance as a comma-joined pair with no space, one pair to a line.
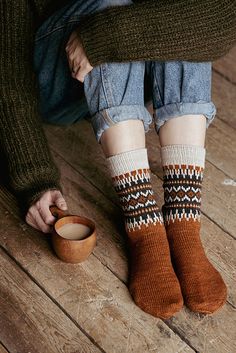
114,92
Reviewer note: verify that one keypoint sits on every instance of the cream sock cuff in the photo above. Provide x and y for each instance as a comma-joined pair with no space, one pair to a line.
128,161
183,154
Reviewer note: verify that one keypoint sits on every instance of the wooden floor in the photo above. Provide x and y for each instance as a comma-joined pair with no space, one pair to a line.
47,306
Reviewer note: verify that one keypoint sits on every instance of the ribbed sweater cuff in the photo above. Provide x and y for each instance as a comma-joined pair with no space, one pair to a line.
128,161
29,196
183,154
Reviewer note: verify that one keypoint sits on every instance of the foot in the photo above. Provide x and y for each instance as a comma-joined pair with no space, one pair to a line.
153,283
202,286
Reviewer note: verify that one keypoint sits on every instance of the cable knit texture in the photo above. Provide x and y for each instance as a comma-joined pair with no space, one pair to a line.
191,30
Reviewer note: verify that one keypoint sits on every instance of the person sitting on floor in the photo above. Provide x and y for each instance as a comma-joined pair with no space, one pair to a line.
110,45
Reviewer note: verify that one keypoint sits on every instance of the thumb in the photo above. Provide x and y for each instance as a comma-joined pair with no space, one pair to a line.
59,201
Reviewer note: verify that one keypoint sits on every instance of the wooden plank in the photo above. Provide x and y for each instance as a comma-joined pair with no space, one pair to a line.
209,334
77,145
2,349
220,143
226,66
90,293
224,97
30,321
219,247
84,199
209,236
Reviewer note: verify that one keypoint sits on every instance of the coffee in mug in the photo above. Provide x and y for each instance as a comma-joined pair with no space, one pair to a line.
74,231
73,236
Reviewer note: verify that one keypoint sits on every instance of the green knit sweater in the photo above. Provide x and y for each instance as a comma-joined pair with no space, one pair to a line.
196,30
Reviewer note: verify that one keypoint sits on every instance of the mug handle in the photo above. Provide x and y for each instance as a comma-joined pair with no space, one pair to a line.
57,213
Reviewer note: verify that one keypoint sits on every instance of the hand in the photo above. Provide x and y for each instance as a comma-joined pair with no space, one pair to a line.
39,216
78,61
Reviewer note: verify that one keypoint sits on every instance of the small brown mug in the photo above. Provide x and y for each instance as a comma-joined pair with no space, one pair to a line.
68,245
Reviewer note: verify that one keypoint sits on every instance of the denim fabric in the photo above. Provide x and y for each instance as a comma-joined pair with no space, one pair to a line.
113,92
181,88
62,99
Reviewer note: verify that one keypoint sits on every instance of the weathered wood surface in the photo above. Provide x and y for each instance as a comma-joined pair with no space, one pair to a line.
102,181
224,87
226,66
91,295
2,349
220,143
224,97
220,251
30,321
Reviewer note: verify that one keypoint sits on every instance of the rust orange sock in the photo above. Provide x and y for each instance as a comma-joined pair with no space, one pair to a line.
152,281
202,286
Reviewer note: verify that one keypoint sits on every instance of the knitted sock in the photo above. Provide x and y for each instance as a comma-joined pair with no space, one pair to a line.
202,287
152,281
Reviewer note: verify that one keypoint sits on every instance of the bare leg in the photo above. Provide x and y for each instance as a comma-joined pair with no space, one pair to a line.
125,136
184,130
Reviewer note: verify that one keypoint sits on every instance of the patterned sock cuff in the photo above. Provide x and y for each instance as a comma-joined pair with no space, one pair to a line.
183,154
128,161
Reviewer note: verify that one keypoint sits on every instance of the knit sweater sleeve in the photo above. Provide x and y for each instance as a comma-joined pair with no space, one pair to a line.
30,168
193,30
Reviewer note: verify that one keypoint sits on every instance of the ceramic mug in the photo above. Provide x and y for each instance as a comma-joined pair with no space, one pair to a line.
70,246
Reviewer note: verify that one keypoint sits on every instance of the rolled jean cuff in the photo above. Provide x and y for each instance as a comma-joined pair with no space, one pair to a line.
173,110
106,118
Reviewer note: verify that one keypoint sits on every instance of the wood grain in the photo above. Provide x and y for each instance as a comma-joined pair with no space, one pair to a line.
220,142
219,247
224,97
90,294
30,321
2,349
226,66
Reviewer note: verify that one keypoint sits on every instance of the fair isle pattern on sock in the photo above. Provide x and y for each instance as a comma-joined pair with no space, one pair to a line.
182,192
130,174
136,197
183,167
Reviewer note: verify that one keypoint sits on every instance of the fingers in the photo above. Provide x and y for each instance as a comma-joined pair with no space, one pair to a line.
77,59
59,200
34,219
80,68
74,52
45,228
44,211
39,215
82,71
